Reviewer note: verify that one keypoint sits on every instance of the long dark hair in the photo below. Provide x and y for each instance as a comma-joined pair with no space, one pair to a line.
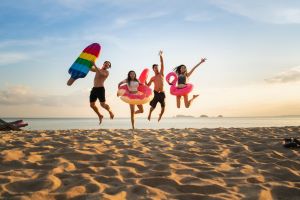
177,69
129,79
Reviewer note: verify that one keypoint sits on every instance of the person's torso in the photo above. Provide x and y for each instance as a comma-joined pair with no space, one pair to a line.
99,79
133,86
158,81
181,81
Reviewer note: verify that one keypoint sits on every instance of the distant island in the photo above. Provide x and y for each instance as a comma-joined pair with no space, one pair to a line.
184,116
203,116
220,116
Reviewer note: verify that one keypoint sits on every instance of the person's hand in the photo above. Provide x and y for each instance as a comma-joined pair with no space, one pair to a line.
203,60
160,52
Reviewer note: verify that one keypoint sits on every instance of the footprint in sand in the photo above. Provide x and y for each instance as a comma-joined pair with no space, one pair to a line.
49,183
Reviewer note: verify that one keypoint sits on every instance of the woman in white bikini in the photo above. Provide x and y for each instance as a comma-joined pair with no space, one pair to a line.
132,84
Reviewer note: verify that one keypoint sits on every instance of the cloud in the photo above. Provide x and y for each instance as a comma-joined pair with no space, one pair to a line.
81,4
10,58
125,20
16,95
14,51
17,43
57,10
74,4
23,95
269,11
250,100
291,75
199,17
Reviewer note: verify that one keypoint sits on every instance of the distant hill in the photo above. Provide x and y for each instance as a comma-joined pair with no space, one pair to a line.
203,116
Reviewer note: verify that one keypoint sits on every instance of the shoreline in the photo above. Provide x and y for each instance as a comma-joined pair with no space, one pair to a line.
142,123
170,117
149,129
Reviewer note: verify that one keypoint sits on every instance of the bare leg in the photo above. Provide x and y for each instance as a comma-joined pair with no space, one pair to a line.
140,109
106,107
94,107
150,112
178,101
132,115
161,113
187,102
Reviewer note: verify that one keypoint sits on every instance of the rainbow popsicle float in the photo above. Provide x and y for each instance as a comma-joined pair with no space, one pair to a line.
82,65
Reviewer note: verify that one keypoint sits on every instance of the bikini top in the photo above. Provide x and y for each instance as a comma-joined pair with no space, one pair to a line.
181,79
133,86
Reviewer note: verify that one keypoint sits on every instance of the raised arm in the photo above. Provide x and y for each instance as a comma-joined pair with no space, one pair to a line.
162,67
101,72
94,68
193,69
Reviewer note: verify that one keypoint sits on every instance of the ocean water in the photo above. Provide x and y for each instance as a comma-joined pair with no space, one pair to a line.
143,123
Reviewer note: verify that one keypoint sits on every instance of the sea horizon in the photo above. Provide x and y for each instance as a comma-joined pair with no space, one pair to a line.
169,117
165,123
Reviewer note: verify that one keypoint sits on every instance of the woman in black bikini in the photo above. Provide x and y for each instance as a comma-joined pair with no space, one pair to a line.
182,81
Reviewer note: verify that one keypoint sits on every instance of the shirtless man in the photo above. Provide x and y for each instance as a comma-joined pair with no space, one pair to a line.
98,91
159,94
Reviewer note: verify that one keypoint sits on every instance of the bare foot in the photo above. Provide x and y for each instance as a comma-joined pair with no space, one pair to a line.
111,114
149,117
100,119
195,96
159,118
138,112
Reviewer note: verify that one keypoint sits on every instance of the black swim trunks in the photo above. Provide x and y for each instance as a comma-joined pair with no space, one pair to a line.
97,93
158,97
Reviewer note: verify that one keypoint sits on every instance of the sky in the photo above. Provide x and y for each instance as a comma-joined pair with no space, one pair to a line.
252,49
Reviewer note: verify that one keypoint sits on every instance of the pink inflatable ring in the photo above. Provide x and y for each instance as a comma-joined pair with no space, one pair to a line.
144,94
175,90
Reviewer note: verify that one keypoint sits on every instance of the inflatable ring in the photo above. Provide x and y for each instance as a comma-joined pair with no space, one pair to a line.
175,90
144,94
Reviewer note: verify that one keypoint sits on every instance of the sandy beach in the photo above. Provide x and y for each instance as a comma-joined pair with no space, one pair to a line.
233,163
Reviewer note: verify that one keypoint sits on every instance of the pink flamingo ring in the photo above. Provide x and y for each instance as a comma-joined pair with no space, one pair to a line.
174,90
